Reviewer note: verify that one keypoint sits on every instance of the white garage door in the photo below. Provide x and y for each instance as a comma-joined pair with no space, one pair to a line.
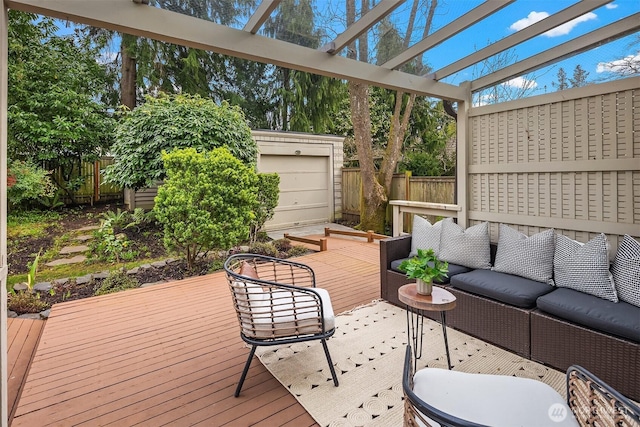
305,196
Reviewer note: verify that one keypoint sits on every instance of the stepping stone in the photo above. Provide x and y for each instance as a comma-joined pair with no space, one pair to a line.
20,287
42,286
84,237
73,249
64,261
89,228
82,280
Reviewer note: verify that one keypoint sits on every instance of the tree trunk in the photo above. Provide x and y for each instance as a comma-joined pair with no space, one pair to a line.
374,200
128,79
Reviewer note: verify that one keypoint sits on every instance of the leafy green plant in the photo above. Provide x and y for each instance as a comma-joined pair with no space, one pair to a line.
268,195
425,266
51,202
171,122
116,282
31,183
26,302
206,202
261,248
33,269
111,247
117,220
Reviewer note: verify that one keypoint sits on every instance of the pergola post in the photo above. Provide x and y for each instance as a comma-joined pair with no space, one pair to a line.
462,150
4,48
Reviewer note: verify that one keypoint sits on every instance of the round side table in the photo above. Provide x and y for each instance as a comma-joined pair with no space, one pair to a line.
440,300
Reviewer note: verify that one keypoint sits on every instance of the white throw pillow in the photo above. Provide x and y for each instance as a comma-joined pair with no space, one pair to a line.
530,257
425,236
470,247
626,270
584,267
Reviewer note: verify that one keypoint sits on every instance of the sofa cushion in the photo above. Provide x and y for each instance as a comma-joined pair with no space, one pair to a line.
529,257
584,267
470,247
452,271
620,319
425,236
506,288
626,271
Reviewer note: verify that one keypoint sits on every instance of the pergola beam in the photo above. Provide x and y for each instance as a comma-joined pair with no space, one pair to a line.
521,36
131,18
571,48
382,9
260,15
465,21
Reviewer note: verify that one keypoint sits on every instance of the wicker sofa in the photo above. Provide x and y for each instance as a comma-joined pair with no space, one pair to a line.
488,309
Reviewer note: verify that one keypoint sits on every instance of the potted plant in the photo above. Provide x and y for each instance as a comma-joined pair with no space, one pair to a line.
425,267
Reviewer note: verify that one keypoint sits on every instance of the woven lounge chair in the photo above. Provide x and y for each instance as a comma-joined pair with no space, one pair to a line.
438,397
277,302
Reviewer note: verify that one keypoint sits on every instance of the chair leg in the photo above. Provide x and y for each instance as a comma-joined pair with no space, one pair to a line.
246,369
326,353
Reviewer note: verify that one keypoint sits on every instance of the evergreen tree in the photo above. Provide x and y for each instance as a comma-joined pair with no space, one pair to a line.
562,83
580,77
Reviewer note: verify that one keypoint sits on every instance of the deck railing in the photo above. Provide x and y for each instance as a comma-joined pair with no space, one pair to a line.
400,207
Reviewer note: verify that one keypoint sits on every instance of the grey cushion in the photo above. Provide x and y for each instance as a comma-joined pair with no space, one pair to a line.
506,288
626,271
584,267
468,247
530,257
621,319
453,270
425,236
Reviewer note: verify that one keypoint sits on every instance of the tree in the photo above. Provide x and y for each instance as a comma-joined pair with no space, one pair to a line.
169,122
580,77
376,182
303,102
55,116
562,80
206,202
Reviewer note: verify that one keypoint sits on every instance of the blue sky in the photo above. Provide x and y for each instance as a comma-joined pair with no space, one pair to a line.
523,13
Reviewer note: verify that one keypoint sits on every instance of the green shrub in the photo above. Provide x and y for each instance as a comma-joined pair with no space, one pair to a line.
297,251
268,195
109,246
283,245
26,302
263,249
116,282
206,202
171,122
31,183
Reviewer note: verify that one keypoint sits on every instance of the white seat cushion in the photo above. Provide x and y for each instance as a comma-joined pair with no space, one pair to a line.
295,314
493,400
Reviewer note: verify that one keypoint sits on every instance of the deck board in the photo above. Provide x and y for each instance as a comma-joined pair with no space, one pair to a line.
171,354
22,340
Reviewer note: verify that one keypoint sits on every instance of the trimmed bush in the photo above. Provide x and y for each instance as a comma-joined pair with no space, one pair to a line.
207,201
171,122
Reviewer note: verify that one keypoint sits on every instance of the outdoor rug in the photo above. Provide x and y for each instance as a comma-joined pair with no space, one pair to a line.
368,350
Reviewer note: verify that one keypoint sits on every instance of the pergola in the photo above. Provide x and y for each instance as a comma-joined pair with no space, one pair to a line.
483,133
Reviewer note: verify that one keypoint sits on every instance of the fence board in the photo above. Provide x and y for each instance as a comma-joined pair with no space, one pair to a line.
403,187
93,187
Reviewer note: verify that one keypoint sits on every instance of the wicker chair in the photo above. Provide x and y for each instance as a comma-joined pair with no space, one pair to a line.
438,397
277,302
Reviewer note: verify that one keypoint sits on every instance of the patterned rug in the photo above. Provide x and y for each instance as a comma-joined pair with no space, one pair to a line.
368,350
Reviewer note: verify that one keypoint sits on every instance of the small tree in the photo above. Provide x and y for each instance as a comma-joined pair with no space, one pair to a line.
268,195
562,83
170,122
580,77
206,202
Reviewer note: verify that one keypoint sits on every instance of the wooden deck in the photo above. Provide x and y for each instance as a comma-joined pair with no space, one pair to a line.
171,354
22,339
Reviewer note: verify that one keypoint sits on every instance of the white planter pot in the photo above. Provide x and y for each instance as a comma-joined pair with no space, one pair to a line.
424,288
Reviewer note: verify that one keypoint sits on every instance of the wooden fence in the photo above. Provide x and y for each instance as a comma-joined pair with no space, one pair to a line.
403,187
93,188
